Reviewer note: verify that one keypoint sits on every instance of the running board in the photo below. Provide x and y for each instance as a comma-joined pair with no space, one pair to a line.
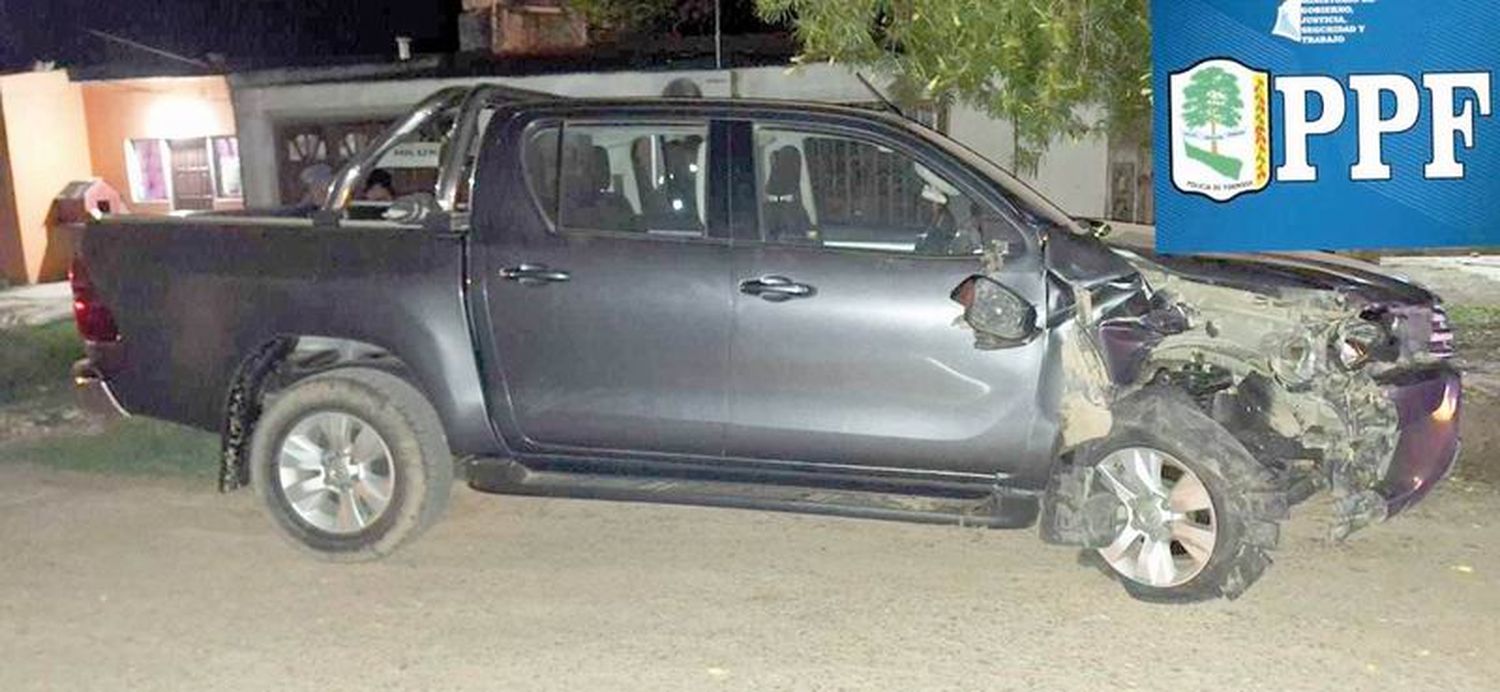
978,509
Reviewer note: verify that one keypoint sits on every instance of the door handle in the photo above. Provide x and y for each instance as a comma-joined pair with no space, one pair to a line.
528,274
776,288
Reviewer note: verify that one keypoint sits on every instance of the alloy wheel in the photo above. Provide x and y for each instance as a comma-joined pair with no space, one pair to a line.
1168,523
336,472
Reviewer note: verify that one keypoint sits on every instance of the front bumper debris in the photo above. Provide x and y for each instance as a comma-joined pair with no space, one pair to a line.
1428,445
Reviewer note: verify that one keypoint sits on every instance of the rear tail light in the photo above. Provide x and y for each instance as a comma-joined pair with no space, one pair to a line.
94,320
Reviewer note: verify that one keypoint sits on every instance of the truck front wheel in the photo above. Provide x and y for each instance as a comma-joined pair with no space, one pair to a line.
1193,513
351,464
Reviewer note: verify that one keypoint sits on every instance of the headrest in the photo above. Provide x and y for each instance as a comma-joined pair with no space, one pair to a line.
785,176
596,165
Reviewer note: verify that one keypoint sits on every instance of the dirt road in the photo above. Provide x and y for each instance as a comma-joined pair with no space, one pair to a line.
145,584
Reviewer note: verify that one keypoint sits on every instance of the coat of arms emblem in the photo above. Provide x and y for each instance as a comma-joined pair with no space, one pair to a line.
1220,129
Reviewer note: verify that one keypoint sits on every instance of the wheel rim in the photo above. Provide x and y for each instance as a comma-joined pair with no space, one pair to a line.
336,472
1169,526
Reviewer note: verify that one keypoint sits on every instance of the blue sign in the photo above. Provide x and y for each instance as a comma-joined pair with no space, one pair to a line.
1326,124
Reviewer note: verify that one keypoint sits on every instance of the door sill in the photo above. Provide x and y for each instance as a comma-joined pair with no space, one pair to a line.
928,502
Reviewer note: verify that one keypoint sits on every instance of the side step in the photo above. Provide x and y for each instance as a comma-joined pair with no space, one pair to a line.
980,508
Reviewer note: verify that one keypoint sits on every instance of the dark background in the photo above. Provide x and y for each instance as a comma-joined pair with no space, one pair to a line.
252,31
266,33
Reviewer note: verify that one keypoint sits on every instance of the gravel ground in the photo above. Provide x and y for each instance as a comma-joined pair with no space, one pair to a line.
107,582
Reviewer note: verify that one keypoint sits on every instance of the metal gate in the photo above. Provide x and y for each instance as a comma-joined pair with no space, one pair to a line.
300,146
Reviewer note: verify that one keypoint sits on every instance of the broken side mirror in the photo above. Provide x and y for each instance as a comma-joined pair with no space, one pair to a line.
1098,228
997,314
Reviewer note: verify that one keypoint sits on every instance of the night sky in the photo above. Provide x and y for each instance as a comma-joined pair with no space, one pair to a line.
245,31
268,33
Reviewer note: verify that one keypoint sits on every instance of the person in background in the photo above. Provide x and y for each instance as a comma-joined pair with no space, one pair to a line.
379,187
315,179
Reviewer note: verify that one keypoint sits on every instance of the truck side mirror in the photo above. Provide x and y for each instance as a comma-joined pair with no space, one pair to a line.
1098,228
1000,316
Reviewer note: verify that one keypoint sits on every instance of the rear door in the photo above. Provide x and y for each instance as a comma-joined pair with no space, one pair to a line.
847,347
606,277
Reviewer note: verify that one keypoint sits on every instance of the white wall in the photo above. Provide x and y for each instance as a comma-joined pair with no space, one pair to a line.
993,139
258,109
1073,174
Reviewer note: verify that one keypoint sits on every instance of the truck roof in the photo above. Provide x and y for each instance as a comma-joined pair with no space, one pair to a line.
745,106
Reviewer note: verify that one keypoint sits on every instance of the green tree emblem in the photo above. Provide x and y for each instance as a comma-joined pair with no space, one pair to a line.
1212,99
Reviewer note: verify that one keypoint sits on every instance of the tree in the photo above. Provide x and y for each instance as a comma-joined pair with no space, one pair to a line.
673,17
1036,63
621,15
1212,98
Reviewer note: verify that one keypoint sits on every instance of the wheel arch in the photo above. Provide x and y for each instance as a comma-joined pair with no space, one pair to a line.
283,361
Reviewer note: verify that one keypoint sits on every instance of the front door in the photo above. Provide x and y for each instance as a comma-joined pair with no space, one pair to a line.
192,179
607,290
847,347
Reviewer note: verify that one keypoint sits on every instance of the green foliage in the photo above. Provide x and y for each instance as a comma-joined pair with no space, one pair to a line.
1033,62
1476,317
137,446
33,359
621,15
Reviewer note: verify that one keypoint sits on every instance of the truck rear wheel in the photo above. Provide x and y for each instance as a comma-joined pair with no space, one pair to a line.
1195,512
351,464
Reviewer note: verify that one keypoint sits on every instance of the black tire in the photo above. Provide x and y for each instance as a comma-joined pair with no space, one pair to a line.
1247,498
421,461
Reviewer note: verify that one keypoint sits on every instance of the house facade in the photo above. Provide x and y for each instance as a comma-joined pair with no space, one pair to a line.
288,120
165,144
43,146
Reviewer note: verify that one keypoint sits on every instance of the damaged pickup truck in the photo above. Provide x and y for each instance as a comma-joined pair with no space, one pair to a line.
764,305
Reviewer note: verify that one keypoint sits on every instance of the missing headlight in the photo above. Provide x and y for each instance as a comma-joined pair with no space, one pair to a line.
1357,343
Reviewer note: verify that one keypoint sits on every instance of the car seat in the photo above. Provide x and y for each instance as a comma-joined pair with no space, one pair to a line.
783,213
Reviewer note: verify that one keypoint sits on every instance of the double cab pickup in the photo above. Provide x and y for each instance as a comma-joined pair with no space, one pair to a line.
768,305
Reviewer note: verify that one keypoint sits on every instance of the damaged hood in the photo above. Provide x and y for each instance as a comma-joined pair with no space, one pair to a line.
1272,273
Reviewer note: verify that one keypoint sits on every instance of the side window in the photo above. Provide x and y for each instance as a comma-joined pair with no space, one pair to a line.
839,192
648,179
540,156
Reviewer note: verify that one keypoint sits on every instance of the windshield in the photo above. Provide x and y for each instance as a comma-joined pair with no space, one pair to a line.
1038,209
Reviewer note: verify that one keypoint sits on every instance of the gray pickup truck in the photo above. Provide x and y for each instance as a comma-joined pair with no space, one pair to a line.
761,305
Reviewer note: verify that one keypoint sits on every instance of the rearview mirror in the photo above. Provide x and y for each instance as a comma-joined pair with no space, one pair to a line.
999,316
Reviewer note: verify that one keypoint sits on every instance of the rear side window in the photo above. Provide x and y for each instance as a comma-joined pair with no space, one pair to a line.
636,178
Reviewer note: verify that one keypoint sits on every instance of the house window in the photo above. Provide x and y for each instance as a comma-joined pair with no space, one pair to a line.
302,147
188,173
226,152
147,170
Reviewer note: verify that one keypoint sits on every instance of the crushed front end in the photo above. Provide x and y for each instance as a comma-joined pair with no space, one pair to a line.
1331,374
